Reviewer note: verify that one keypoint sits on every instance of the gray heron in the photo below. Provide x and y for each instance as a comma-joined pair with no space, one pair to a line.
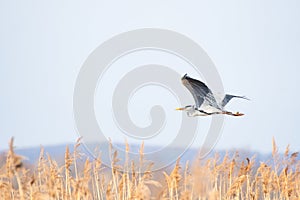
206,103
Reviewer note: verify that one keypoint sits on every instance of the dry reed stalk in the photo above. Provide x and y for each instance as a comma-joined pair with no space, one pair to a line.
13,165
76,156
97,178
69,161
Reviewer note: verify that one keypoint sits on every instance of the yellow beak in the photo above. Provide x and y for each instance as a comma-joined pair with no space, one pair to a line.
179,108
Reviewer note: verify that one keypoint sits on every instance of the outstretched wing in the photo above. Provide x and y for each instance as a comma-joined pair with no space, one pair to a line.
199,91
228,97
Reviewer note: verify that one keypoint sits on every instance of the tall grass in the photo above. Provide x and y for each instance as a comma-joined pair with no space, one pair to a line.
228,178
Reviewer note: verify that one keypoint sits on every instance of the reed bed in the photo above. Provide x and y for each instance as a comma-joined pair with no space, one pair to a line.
229,177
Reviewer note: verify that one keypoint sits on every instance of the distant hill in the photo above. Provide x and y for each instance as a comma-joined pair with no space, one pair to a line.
57,152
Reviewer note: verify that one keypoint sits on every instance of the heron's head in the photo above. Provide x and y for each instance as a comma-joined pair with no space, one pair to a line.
186,108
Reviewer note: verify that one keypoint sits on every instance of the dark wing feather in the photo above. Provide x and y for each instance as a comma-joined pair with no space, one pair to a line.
228,97
199,91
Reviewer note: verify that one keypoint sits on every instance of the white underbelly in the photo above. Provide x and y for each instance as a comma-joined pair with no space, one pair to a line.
209,109
198,114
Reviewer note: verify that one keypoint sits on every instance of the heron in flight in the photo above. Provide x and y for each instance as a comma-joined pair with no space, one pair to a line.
206,102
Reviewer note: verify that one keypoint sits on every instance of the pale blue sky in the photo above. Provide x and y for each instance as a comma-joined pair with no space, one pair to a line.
255,46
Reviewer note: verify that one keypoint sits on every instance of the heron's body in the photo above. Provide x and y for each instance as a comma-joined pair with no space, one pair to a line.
206,103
